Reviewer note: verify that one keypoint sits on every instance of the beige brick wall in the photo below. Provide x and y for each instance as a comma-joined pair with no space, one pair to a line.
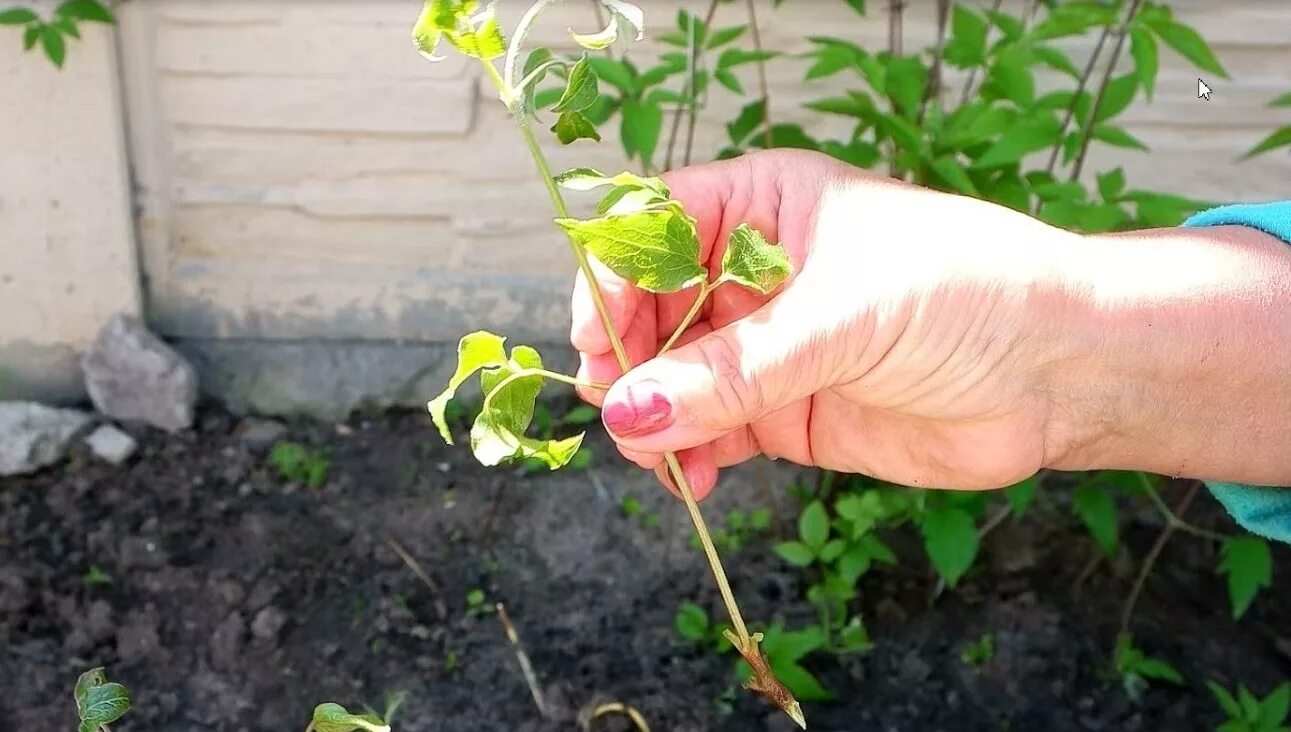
301,173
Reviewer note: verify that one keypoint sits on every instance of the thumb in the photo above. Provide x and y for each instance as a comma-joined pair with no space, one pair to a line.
724,380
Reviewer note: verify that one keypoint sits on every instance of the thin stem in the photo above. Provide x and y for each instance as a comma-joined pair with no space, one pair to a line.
437,597
1153,554
763,87
1085,76
526,668
1171,517
1087,129
688,89
704,290
620,353
895,38
933,88
972,73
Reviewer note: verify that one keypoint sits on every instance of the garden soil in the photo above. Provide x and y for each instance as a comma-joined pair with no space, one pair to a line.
226,599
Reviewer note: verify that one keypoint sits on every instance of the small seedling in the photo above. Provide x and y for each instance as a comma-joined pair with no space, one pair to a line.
95,577
633,509
739,529
332,717
693,624
297,463
99,702
477,603
640,233
1246,713
1137,669
980,652
450,659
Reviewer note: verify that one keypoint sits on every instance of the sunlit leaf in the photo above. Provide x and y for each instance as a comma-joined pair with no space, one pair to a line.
753,262
475,351
98,701
657,249
331,717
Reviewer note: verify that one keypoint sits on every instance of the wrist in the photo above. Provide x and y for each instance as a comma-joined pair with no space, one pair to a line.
1174,345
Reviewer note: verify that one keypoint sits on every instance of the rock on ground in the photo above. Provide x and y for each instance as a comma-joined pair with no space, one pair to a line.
33,435
132,375
111,444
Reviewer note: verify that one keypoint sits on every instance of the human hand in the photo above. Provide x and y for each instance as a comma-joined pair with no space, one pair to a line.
905,347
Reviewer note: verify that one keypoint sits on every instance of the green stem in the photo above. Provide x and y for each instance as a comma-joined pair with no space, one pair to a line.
704,290
1171,517
598,299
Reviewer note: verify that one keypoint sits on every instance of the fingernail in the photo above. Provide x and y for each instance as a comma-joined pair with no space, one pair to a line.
641,410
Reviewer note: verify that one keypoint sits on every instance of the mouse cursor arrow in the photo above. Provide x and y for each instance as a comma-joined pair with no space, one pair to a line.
1203,91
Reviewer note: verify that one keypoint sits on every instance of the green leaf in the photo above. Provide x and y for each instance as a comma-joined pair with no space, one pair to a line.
832,550
1098,511
51,39
813,525
853,563
784,647
1011,78
728,80
733,57
1143,49
1011,27
1021,495
967,45
484,41
691,622
1116,137
437,16
640,128
1155,668
98,701
1057,60
30,35
795,553
498,433
1111,183
1189,44
950,537
804,686
855,104
582,414
657,250
586,179
613,72
753,262
572,126
580,89
748,120
1013,145
332,717
1279,138
1225,699
601,39
475,351
953,174
18,16
877,550
88,10
1277,704
1249,566
905,82
1282,101
723,36
1118,95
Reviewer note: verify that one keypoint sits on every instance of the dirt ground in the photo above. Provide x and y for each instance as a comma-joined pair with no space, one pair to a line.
235,602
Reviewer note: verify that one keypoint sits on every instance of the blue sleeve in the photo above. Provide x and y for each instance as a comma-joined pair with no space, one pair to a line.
1260,510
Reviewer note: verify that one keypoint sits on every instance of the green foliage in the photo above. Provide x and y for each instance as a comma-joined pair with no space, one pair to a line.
475,36
99,702
297,463
753,262
692,623
1097,509
1136,669
52,33
950,537
1249,565
477,603
980,652
95,577
332,717
1247,713
633,509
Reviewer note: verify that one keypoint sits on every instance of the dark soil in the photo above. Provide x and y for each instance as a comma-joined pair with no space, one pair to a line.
237,602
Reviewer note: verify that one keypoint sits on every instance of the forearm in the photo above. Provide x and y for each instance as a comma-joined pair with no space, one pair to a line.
1179,357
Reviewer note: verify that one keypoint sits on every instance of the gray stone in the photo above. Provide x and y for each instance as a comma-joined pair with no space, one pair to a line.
268,623
259,434
33,435
131,375
111,444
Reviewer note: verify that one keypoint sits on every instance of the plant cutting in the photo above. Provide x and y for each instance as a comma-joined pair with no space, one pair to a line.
639,232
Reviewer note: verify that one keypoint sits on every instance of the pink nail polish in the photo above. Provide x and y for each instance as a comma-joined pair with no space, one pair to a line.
643,410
